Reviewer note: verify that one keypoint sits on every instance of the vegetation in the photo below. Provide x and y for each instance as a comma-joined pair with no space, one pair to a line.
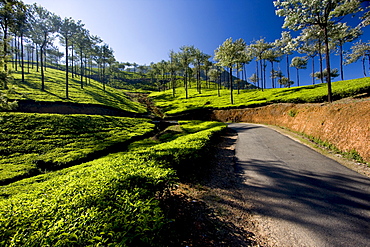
55,91
250,98
32,143
108,201
49,197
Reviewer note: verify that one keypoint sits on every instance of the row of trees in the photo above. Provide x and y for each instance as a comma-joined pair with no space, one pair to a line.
322,30
320,22
322,33
38,28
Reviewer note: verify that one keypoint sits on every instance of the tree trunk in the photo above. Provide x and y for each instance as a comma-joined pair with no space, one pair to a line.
82,67
297,78
321,69
313,70
22,57
328,77
363,66
219,86
37,59
257,73
262,82
231,85
66,44
341,62
72,71
5,49
16,53
186,84
272,75
42,68
287,65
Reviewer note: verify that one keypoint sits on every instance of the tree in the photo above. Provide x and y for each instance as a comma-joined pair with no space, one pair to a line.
300,14
215,75
173,66
228,55
83,41
254,79
261,48
284,81
286,44
276,74
319,76
311,45
44,24
21,26
273,55
105,54
9,15
199,59
67,28
360,50
298,63
185,59
341,35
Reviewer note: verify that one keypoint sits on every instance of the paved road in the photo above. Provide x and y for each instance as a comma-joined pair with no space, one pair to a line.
300,197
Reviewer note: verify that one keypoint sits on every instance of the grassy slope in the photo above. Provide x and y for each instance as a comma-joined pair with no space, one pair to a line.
55,87
106,201
209,98
32,142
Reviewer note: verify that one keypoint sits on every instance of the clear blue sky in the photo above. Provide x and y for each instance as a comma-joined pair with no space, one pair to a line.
144,31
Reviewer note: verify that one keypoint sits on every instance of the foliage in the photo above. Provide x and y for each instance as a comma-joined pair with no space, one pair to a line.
250,98
105,202
350,154
55,91
5,104
29,142
108,201
326,15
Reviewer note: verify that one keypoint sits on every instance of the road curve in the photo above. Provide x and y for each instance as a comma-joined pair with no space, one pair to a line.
300,197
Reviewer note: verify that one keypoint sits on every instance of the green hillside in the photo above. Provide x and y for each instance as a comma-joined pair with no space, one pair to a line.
254,97
55,87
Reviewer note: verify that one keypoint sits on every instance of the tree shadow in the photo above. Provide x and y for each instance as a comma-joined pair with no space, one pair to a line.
331,205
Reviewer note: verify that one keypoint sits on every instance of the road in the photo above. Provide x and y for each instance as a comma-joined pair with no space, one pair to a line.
300,197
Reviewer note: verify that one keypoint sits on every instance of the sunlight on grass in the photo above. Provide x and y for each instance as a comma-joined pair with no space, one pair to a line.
252,97
55,90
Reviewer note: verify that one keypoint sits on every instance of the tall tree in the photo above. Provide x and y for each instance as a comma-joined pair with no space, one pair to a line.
185,59
261,48
311,45
83,41
9,14
287,45
199,59
215,76
21,27
360,50
300,14
273,55
173,66
67,28
298,63
44,25
342,34
228,55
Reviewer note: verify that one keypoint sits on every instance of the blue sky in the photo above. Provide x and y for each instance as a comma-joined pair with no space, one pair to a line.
144,31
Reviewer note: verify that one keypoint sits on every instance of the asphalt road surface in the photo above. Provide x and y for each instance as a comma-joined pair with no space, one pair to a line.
300,197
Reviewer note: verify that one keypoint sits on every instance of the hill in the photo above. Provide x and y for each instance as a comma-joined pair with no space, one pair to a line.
92,92
209,99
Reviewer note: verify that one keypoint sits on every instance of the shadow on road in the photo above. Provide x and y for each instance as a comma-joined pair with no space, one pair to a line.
331,206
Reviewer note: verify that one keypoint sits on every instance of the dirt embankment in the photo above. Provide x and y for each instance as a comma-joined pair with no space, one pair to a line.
346,123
